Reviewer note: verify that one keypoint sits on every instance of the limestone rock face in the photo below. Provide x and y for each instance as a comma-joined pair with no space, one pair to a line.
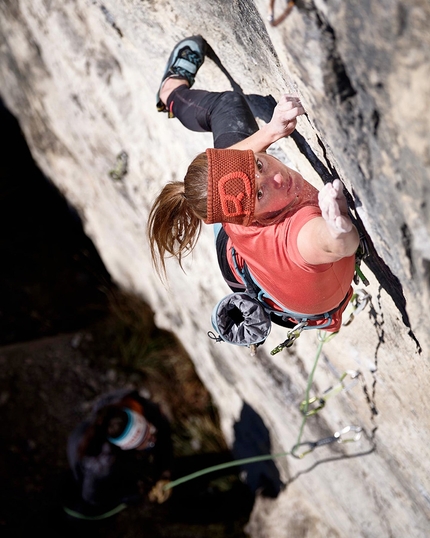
81,77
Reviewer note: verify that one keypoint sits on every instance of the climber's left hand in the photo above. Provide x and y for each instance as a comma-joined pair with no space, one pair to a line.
334,207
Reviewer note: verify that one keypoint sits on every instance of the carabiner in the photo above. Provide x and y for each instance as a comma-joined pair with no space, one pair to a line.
313,445
340,386
347,429
359,300
328,393
304,406
303,454
292,336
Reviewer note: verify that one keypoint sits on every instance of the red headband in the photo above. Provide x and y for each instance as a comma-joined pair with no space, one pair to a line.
231,186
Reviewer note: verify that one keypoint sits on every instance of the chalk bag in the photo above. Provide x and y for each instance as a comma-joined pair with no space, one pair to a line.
241,320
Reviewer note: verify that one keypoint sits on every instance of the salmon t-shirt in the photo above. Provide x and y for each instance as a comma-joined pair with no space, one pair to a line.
273,258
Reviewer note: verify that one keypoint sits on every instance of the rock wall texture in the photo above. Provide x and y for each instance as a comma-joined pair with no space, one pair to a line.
81,77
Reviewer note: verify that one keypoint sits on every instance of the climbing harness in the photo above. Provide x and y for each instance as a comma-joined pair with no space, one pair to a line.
337,437
254,290
318,402
245,318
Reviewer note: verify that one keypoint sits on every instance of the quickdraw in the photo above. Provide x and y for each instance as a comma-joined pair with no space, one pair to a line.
318,402
292,336
358,302
337,437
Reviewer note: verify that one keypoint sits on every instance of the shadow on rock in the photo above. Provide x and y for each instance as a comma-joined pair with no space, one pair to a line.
252,439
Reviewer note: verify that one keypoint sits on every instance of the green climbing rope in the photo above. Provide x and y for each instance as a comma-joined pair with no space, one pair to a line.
322,340
111,513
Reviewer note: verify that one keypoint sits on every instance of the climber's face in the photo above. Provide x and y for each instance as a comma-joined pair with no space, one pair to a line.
276,185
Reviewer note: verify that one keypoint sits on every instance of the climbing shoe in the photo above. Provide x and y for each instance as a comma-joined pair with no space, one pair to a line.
185,60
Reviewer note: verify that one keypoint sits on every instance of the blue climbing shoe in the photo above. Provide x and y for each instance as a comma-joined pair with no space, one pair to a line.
185,60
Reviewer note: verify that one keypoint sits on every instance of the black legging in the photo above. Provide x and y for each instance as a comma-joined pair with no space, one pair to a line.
225,114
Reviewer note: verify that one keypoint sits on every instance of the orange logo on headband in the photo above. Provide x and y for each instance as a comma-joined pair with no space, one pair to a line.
227,200
231,186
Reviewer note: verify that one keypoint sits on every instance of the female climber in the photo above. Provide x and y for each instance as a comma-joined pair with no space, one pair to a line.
275,231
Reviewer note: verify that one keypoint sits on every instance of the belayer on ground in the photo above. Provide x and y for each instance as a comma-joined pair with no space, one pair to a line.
120,455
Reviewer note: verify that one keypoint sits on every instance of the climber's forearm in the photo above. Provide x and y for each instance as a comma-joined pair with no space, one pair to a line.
282,124
259,141
318,242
